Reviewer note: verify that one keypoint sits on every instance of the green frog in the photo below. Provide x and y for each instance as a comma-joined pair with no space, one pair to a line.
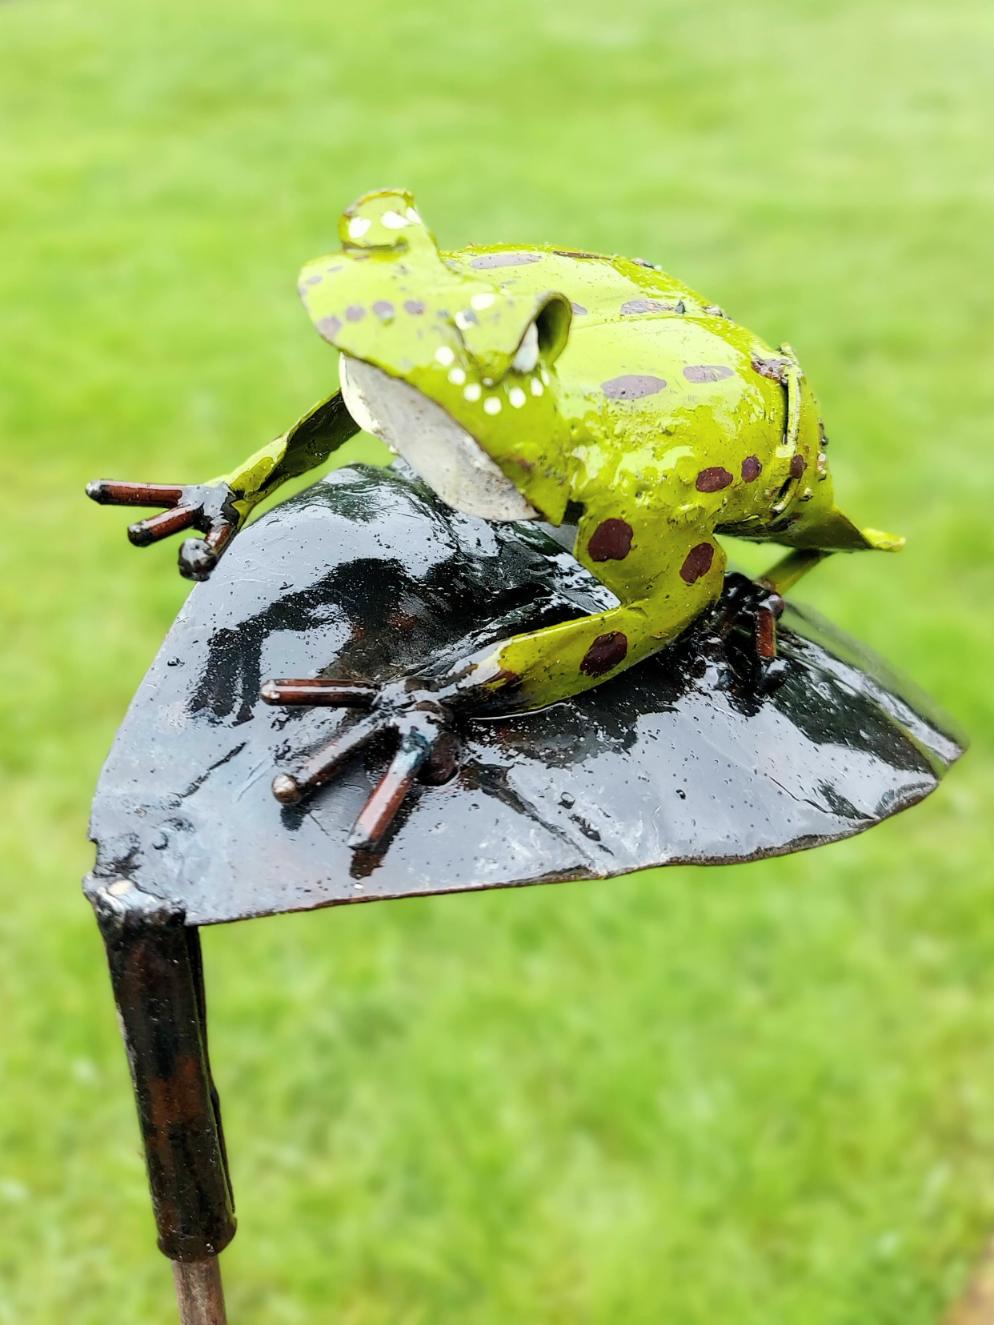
537,383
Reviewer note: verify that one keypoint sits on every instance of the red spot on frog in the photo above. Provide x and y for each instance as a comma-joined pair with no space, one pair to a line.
610,541
751,468
607,651
697,562
713,479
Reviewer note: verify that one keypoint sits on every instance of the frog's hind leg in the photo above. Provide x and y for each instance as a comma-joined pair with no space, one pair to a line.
556,662
664,586
791,568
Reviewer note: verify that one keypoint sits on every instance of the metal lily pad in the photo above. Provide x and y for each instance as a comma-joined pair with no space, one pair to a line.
367,575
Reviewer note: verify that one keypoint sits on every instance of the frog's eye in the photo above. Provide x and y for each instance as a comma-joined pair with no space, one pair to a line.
385,222
546,335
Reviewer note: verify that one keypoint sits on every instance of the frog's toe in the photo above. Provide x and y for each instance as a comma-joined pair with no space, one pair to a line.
419,734
421,728
754,610
320,691
770,675
196,560
198,556
207,507
321,767
172,521
111,492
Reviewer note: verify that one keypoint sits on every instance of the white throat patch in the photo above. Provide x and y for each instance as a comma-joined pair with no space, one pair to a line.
450,461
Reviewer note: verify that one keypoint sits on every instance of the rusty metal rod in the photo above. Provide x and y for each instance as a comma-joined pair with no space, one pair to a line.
199,1293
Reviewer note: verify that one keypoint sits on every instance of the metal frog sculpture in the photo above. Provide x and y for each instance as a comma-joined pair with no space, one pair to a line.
549,384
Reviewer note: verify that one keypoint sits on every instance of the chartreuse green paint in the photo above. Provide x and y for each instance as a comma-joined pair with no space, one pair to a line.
560,384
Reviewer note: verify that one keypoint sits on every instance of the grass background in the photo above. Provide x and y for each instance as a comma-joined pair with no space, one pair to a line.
758,1094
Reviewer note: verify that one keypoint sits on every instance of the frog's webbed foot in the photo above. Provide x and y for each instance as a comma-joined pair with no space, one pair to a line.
406,712
207,507
755,608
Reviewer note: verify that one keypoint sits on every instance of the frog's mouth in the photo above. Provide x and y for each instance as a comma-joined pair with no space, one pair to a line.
450,461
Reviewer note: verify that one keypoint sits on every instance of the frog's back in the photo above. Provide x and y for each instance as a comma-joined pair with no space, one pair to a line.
600,287
662,387
640,335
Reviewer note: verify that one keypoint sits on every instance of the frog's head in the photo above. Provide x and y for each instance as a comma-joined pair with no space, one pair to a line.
450,369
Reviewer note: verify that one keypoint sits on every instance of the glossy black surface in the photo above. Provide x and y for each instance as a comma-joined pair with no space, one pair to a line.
366,575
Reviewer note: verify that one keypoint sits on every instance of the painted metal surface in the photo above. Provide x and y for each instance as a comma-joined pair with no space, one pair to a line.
366,576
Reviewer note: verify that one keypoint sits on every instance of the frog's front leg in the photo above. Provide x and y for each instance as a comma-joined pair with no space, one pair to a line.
673,575
211,508
220,507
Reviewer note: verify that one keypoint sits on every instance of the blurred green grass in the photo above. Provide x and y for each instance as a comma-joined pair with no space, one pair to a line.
756,1094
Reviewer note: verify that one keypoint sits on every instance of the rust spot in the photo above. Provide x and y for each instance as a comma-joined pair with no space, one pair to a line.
707,372
383,308
414,306
605,652
713,479
355,313
797,466
610,541
775,369
697,562
751,468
